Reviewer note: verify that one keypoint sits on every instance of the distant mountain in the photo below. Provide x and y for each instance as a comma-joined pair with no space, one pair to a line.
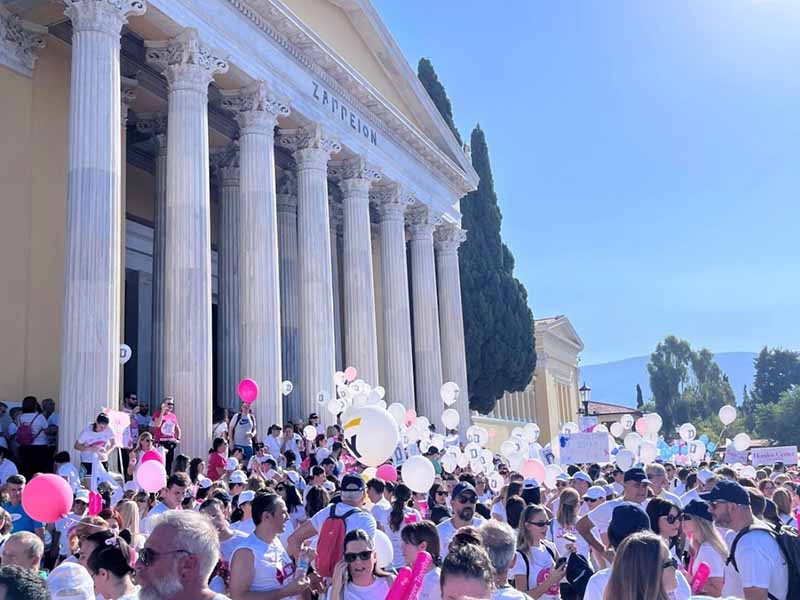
615,382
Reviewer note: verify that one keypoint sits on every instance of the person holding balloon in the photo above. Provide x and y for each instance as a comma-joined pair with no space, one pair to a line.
96,439
166,430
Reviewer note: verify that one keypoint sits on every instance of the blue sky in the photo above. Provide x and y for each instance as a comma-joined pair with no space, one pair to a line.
646,156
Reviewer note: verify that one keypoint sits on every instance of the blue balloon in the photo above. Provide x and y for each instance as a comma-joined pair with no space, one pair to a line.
704,438
711,446
685,450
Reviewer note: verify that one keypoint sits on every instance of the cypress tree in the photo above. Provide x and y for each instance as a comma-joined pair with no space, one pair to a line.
639,399
498,324
431,83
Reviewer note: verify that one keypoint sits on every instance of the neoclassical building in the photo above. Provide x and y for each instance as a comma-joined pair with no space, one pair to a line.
233,188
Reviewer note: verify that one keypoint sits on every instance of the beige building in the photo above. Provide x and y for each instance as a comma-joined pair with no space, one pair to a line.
552,398
234,188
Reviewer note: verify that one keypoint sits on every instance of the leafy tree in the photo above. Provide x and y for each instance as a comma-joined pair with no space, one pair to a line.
669,371
776,371
639,399
778,420
498,324
430,81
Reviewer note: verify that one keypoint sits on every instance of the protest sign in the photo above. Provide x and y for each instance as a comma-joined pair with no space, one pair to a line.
588,423
579,448
733,456
769,456
118,422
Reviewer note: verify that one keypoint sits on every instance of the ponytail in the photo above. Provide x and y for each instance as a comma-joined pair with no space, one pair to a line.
402,494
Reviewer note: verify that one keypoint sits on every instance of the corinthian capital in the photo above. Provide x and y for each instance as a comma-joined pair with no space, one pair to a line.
105,16
392,200
422,222
311,146
155,125
20,42
255,107
448,237
354,175
185,61
225,164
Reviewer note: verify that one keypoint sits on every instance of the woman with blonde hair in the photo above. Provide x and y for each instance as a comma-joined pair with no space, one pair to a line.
563,532
707,546
535,571
129,513
643,569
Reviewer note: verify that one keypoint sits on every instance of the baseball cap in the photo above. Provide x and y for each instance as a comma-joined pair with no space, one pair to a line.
238,477
727,491
563,477
595,493
698,508
70,581
232,464
529,484
464,486
609,489
705,475
266,457
352,483
626,519
246,496
581,476
130,486
636,474
203,483
82,496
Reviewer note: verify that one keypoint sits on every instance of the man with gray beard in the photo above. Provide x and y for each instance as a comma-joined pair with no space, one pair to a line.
178,558
462,500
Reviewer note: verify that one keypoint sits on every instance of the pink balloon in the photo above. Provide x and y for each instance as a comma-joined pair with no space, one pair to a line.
386,472
248,391
95,504
151,476
533,467
350,373
47,498
411,416
641,425
152,455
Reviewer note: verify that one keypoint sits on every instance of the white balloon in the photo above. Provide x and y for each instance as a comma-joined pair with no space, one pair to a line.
381,404
380,390
478,435
418,474
462,461
496,482
422,423
338,378
648,452
411,434
600,428
515,461
651,436
727,414
335,406
125,353
424,445
569,427
309,432
748,471
473,451
550,474
383,549
518,433
687,432
449,392
654,422
697,450
632,441
627,422
741,442
509,448
531,432
617,430
437,439
398,412
286,387
371,434
449,463
450,418
625,459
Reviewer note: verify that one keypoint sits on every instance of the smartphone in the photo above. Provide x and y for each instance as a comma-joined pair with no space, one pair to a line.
569,537
561,562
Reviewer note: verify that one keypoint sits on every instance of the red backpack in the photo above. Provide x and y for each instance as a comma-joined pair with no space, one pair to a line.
24,435
330,546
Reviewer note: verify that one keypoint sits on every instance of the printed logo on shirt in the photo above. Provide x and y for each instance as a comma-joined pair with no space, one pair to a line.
553,590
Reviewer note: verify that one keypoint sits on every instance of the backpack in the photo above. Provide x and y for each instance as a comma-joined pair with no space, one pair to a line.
330,546
789,544
24,435
578,573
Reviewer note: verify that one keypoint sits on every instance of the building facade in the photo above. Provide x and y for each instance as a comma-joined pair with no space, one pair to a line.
234,188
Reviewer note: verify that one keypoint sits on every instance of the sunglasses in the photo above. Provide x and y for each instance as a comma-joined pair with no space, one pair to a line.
672,519
672,563
441,493
148,556
561,484
592,500
467,499
352,557
539,523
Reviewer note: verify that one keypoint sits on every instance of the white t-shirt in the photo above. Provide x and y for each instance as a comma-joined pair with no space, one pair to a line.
243,424
499,511
431,590
509,593
273,567
596,586
670,497
379,508
273,444
7,469
761,564
226,549
447,531
146,526
246,526
377,590
358,520
38,427
410,515
601,516
556,535
707,554
99,439
540,564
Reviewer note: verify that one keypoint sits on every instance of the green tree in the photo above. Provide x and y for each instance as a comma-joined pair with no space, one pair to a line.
776,371
669,372
778,420
639,399
430,81
498,324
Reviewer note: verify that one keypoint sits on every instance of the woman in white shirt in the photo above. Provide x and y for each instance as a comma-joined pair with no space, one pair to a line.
393,521
419,537
783,501
96,440
707,546
357,576
535,571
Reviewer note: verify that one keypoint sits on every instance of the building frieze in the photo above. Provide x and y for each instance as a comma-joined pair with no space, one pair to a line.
20,42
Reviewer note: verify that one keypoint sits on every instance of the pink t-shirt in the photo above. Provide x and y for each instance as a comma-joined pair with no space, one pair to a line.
168,429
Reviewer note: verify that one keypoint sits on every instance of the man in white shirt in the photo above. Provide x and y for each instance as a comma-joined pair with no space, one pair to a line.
7,468
758,569
657,475
171,499
273,441
463,501
380,505
705,481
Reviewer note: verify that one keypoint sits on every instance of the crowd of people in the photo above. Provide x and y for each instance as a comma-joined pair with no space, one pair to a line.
275,514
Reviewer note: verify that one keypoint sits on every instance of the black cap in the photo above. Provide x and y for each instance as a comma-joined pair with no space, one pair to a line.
313,416
636,474
461,487
698,508
727,491
352,483
626,519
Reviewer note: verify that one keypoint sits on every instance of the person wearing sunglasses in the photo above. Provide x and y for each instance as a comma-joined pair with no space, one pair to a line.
463,501
535,572
643,569
706,546
357,576
665,520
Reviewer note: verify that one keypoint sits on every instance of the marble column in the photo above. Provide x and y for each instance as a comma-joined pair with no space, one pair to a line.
312,149
287,254
447,239
128,87
257,111
91,311
189,66
336,219
155,124
355,177
392,202
427,347
225,164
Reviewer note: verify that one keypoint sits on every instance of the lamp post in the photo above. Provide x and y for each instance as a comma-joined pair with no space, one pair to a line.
585,392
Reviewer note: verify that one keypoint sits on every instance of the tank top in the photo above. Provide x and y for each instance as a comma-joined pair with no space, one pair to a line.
273,569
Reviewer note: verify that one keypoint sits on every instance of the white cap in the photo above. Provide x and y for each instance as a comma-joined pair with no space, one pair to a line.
704,476
562,477
246,496
530,484
70,581
131,486
294,477
232,464
265,457
204,483
609,490
595,493
322,454
82,495
581,476
238,477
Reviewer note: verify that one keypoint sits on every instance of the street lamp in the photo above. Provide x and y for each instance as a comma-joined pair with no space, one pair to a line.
585,392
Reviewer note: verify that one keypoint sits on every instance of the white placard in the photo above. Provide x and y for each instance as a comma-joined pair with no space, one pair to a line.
769,456
733,456
577,448
586,423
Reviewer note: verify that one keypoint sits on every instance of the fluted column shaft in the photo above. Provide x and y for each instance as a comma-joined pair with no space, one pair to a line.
447,239
311,152
287,254
360,337
189,67
335,219
427,346
397,350
257,233
91,313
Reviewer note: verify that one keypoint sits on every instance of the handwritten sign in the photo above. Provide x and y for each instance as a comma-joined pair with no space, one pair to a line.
733,456
577,448
588,423
769,456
